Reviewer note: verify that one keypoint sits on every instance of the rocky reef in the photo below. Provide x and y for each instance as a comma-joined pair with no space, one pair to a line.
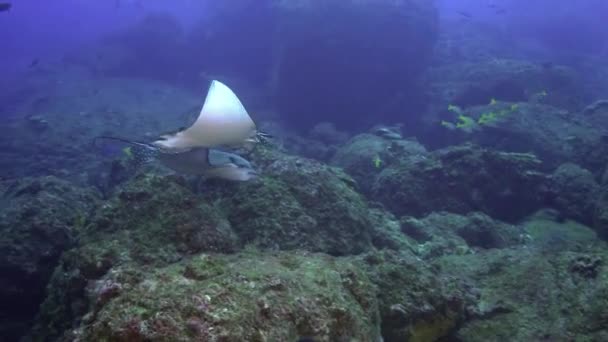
160,261
419,186
300,253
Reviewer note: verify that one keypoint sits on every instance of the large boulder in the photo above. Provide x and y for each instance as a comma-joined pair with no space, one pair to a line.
39,219
462,179
323,60
297,203
353,57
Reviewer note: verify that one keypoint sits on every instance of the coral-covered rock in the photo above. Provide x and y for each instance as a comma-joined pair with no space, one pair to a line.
39,219
462,179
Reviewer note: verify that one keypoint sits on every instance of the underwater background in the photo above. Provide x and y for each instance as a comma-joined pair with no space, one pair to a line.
431,171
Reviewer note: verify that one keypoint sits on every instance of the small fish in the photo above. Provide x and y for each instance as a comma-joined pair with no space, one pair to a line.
377,161
465,14
34,62
454,109
493,102
466,123
128,151
448,125
5,6
388,133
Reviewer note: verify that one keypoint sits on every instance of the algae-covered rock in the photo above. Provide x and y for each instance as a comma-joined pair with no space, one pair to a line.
152,264
298,203
387,233
462,179
39,219
150,222
157,219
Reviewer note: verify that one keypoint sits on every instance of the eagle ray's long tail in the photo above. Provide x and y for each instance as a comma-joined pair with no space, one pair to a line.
139,152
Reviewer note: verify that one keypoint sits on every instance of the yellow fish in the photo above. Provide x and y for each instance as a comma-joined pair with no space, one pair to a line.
377,161
128,152
453,108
